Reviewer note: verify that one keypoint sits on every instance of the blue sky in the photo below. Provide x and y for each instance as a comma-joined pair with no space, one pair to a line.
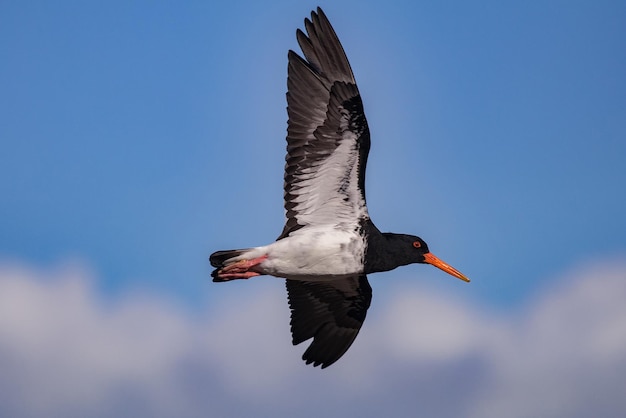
139,137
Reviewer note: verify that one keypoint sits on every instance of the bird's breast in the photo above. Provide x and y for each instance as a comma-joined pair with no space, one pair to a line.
316,254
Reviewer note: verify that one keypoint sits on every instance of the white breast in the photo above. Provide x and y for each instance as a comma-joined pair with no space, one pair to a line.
320,253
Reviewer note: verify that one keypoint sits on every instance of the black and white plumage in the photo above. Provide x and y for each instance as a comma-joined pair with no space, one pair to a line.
328,244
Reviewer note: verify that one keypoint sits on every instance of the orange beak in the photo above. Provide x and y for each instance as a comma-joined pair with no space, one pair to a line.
431,259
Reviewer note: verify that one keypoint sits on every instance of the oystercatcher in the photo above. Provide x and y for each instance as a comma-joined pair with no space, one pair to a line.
329,243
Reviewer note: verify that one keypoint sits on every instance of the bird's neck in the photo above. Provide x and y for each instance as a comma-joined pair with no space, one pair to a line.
382,252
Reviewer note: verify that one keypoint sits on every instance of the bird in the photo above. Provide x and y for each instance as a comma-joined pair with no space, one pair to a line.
329,244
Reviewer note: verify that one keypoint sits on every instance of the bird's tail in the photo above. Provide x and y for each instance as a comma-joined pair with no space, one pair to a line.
219,258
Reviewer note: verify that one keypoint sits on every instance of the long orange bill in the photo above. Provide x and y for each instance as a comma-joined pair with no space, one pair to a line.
431,259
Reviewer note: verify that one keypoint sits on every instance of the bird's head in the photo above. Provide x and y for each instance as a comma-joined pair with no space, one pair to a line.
417,251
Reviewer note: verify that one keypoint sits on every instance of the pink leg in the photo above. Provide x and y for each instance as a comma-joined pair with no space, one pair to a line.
241,269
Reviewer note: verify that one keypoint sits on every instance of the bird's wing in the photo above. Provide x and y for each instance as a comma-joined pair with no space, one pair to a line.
327,137
330,312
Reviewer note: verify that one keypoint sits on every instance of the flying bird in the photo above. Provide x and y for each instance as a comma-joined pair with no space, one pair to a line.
329,243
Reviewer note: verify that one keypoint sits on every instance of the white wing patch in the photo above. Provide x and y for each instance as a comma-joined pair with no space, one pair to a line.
329,195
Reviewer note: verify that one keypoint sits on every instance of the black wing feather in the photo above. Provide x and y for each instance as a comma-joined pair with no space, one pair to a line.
331,313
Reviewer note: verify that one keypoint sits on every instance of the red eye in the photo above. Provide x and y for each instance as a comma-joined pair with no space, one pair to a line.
417,244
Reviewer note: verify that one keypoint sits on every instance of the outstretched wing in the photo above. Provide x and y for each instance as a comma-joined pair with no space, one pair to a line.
327,136
331,313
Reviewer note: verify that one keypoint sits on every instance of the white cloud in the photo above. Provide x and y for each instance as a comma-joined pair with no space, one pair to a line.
64,351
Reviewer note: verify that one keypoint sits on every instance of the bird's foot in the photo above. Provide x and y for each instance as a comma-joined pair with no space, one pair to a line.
239,270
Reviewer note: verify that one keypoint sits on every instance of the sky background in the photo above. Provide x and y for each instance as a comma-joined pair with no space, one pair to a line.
139,137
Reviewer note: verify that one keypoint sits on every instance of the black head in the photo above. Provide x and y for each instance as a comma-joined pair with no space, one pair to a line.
409,249
420,248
